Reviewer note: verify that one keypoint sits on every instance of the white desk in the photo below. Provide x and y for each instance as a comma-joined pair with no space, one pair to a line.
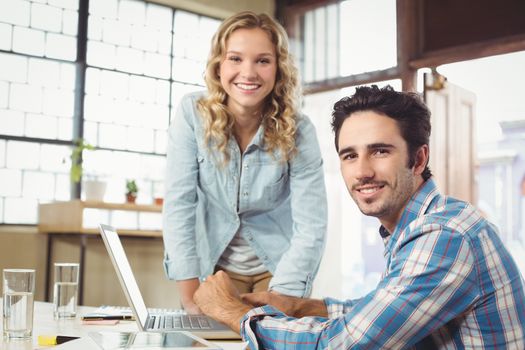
44,324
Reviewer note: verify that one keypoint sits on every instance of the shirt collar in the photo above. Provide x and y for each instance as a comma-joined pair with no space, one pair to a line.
415,207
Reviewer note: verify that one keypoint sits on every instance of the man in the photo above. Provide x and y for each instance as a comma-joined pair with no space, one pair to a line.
449,282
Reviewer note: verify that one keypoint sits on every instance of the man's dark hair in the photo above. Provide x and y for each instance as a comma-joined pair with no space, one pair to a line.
406,108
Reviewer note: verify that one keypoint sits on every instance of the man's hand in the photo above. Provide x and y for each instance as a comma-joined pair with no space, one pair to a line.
218,298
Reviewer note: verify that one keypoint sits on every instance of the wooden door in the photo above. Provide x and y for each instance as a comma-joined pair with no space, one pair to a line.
452,142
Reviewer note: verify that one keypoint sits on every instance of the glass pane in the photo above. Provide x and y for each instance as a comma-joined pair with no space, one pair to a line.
67,4
161,141
157,65
20,211
6,33
188,71
179,90
11,122
4,93
93,80
15,12
144,38
156,116
116,32
43,72
164,42
103,8
38,185
29,41
332,42
67,76
38,125
184,22
70,22
114,84
132,11
130,60
320,44
13,67
62,188
142,89
309,50
23,155
140,139
112,136
101,54
152,167
11,184
96,108
61,46
208,27
46,17
95,25
65,128
26,98
377,48
159,17
162,92
91,132
55,158
2,153
59,102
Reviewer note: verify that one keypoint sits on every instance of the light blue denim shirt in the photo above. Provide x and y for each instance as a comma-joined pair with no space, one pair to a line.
279,207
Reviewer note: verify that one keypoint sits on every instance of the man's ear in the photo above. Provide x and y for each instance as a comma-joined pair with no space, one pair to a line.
421,162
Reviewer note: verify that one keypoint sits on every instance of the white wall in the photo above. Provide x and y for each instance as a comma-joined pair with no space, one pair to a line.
343,246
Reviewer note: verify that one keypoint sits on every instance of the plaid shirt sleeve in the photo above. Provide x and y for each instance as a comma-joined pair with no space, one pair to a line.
430,280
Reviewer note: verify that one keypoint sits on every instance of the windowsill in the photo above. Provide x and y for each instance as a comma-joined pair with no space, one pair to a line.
18,229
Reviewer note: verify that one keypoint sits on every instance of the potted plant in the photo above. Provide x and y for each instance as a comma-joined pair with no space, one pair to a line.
76,159
94,189
131,191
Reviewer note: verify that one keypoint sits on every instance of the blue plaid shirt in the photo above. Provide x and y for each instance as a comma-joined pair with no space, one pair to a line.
449,283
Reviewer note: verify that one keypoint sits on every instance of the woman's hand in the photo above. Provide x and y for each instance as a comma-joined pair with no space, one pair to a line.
186,289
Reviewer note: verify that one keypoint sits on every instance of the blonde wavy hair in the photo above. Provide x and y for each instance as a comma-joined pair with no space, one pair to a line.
281,105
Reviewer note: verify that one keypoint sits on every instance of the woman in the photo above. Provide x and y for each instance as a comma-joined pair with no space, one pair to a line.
244,188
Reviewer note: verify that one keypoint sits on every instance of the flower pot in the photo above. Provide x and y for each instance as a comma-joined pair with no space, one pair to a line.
94,190
130,198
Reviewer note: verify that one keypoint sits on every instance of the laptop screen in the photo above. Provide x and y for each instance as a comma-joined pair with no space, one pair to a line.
125,275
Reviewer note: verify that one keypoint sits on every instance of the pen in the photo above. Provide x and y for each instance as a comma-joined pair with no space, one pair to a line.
44,340
109,317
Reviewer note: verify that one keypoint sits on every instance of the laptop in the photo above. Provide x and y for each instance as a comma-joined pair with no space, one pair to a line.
199,325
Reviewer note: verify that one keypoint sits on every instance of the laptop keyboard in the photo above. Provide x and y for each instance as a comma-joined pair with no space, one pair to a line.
180,321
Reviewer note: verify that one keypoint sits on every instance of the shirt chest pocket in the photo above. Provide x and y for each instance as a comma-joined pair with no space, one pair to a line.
207,171
274,182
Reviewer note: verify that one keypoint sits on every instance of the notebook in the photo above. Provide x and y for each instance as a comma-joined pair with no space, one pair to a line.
199,325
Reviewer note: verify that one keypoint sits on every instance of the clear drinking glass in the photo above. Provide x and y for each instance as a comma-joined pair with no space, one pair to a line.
18,298
65,290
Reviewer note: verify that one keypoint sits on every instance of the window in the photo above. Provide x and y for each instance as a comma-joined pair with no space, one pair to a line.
346,38
140,60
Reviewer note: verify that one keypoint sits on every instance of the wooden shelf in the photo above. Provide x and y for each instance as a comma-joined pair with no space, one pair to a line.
68,217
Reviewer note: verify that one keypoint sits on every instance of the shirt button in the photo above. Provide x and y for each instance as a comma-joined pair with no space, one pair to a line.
245,194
